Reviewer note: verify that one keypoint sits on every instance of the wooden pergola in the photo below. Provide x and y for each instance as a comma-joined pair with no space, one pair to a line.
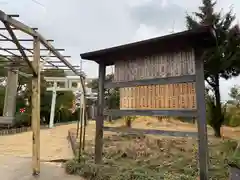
164,48
22,58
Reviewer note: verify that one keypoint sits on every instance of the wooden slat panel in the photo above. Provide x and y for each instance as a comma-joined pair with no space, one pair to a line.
155,66
171,96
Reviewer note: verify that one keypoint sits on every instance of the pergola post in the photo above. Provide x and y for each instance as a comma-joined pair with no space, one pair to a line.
100,117
36,108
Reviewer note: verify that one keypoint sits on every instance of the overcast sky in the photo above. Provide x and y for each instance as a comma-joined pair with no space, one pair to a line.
85,25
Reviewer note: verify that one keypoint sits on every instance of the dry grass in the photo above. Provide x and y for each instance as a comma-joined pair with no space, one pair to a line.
145,158
139,157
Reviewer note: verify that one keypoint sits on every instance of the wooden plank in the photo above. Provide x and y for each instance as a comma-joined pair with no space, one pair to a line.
36,109
16,24
151,131
150,112
154,81
30,49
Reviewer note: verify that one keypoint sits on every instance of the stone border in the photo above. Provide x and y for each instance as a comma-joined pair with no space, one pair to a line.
12,131
73,140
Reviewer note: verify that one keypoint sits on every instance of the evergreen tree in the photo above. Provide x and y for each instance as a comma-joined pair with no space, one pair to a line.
223,60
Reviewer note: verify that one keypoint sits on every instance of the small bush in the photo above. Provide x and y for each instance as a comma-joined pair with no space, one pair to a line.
22,120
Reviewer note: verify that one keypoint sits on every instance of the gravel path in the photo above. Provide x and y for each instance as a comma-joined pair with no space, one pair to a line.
16,152
19,168
54,144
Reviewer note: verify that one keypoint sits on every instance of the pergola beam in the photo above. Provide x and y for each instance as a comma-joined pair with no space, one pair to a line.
5,18
30,49
27,40
15,40
4,49
61,66
42,56
13,15
51,56
14,28
27,49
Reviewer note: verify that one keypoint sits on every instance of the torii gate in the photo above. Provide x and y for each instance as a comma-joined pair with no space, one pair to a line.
68,86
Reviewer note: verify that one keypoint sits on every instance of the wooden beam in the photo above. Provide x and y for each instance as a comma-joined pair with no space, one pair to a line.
13,54
14,38
13,28
42,56
58,55
30,49
60,66
24,48
13,15
155,81
152,112
36,109
5,18
26,40
52,56
17,25
151,131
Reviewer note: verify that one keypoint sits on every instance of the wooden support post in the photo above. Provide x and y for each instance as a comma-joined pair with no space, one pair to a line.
201,118
36,109
100,117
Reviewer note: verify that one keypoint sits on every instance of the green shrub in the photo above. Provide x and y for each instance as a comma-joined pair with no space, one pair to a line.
232,116
22,119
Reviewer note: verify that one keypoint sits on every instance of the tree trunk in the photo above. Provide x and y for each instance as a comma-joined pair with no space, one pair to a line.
217,131
218,113
128,122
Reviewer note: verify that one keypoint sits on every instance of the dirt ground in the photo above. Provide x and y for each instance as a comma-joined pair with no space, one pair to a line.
19,168
54,144
16,150
174,125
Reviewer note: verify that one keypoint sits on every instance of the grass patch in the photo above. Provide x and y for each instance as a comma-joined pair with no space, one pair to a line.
135,157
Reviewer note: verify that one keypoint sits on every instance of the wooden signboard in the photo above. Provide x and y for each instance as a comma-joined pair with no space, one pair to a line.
163,76
169,96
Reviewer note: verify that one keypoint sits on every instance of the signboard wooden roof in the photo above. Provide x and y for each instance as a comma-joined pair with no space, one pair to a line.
201,37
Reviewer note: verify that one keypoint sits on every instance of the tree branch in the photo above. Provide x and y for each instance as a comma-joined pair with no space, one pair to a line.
210,83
